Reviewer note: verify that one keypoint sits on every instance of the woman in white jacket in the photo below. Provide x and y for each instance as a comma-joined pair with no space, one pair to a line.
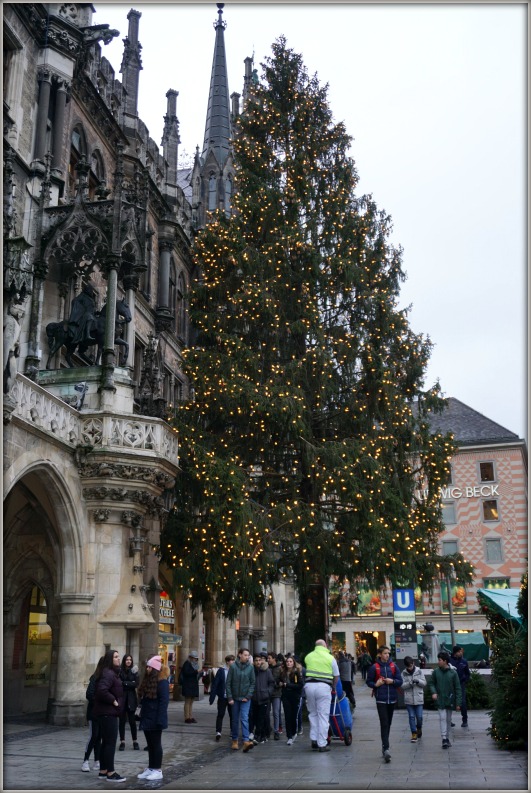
413,687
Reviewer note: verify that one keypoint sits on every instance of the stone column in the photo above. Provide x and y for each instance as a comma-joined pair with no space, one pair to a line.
131,286
59,122
69,706
108,357
45,78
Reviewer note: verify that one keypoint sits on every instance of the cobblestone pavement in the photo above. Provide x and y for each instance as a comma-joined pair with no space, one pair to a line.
37,756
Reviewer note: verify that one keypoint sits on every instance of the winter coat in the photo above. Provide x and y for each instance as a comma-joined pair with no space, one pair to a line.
240,681
275,671
154,712
462,668
264,683
445,683
293,684
413,686
89,695
108,689
219,685
190,678
365,661
130,681
386,693
345,669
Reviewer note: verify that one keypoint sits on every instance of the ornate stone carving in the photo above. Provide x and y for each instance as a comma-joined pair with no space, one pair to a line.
153,504
129,472
101,515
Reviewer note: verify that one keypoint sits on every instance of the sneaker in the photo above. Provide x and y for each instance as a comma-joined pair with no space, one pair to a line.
387,756
324,748
218,736
85,766
256,741
251,736
289,741
117,778
452,725
145,773
153,776
414,737
96,766
314,745
445,743
121,748
135,745
276,736
102,776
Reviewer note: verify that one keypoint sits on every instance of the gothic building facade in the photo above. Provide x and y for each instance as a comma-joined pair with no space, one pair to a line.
99,224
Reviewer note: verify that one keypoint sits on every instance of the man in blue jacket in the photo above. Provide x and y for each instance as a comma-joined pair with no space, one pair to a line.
384,678
459,662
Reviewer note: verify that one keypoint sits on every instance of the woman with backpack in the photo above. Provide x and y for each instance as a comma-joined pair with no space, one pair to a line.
385,679
129,678
94,741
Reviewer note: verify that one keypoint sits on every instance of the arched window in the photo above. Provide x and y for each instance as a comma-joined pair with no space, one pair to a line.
228,195
212,192
181,307
172,294
39,642
97,172
78,149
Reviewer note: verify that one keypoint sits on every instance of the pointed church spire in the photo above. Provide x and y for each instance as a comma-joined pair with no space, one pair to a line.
217,128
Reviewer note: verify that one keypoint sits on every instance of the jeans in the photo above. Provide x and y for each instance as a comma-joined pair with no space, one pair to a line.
94,741
275,707
385,714
240,715
154,742
415,717
318,700
109,736
223,705
464,711
128,715
445,720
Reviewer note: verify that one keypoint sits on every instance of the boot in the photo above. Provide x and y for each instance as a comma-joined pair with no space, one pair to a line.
135,745
121,748
234,745
247,745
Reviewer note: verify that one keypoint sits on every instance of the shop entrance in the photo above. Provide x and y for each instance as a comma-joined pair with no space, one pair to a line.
366,642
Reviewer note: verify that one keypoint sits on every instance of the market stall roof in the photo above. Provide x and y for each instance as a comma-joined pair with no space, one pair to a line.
503,601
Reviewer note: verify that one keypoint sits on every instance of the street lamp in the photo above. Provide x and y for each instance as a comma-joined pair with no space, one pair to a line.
450,573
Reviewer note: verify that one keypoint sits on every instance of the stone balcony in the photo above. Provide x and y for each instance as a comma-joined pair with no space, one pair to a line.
45,413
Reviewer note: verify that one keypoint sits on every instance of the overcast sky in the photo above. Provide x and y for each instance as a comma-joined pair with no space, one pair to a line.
434,96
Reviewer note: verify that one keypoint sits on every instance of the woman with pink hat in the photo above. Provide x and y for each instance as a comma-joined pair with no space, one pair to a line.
154,694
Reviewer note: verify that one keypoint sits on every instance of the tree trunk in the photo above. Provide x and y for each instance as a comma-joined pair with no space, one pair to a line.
312,622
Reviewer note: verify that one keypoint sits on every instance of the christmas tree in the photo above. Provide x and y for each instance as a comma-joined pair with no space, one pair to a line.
306,450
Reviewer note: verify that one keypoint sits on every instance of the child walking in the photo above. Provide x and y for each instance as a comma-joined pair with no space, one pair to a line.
445,689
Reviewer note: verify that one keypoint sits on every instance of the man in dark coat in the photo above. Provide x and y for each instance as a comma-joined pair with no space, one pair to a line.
189,678
219,690
459,662
263,689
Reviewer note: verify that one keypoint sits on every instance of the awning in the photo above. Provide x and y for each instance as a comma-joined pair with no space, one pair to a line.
502,601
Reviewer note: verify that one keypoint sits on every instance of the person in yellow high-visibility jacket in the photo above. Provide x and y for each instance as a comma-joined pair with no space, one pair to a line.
322,674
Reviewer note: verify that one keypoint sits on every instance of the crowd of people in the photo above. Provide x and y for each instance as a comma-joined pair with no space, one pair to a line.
264,697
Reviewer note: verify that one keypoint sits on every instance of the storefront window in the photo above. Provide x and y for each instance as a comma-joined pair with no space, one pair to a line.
39,644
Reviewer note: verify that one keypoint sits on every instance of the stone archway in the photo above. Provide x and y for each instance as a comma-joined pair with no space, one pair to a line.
43,551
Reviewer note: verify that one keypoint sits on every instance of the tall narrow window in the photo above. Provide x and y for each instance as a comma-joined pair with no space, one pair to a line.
39,645
228,195
493,550
490,510
181,307
486,472
172,295
212,192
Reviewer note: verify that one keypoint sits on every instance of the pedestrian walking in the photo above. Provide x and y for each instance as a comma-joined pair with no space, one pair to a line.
189,678
302,700
445,689
276,697
108,704
219,690
413,687
240,687
154,693
322,674
365,664
130,681
263,688
94,740
460,664
345,675
291,684
385,679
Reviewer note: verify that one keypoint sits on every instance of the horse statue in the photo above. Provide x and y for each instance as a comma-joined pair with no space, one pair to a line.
64,334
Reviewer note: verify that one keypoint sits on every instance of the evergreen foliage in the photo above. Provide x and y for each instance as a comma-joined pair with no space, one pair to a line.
306,450
509,726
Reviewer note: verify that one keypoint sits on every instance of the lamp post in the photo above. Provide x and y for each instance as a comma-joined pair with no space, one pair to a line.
449,573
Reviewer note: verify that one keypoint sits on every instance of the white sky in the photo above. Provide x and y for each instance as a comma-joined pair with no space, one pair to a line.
435,98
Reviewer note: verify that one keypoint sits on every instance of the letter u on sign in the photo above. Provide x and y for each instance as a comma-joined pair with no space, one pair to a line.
403,600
